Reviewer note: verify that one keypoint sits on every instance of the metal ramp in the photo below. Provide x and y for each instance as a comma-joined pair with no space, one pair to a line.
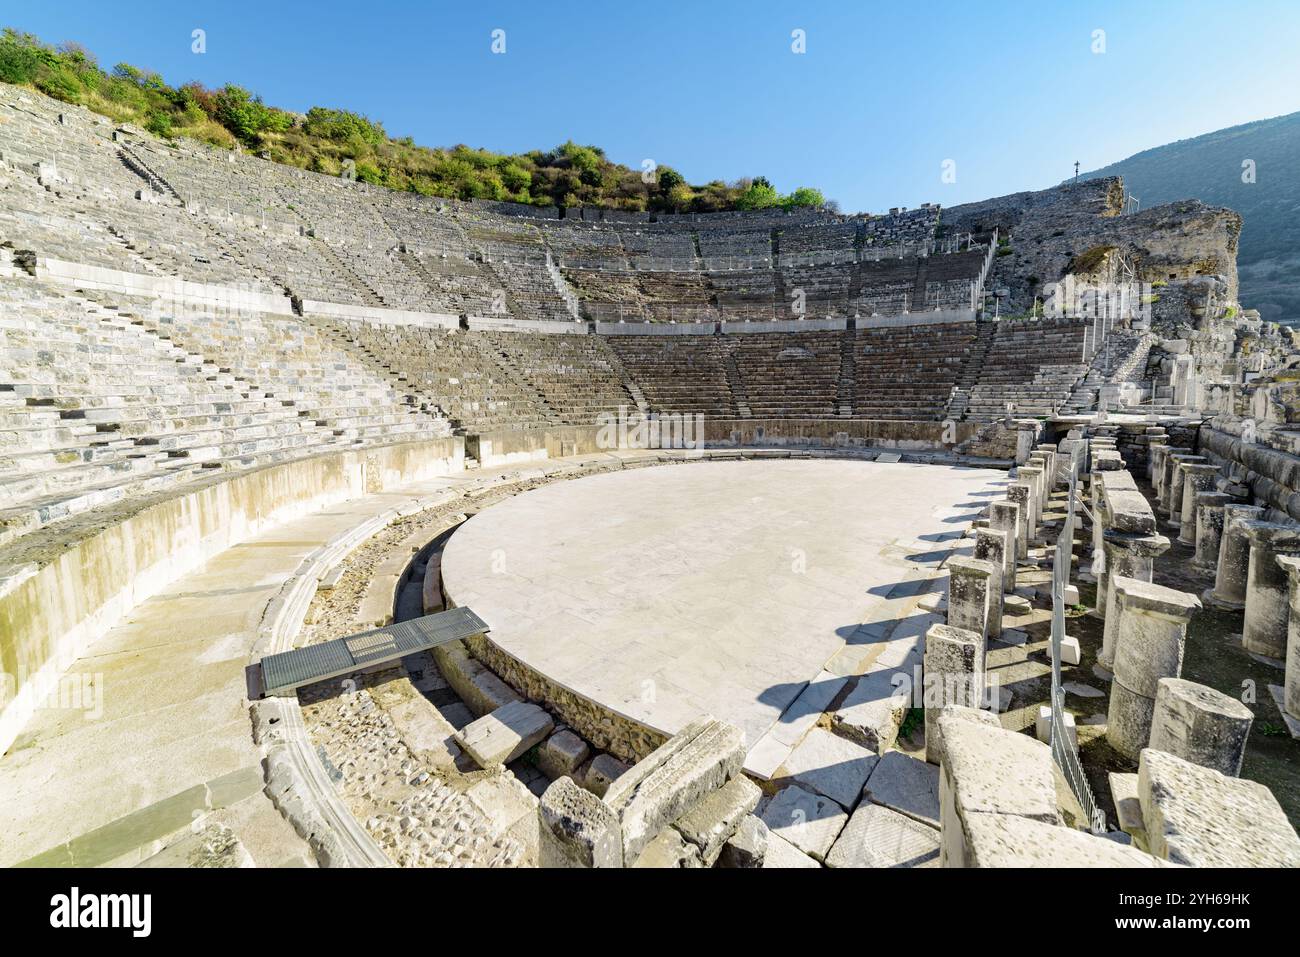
282,674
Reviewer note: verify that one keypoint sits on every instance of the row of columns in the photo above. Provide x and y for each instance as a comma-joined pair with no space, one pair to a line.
955,652
1256,569
1145,624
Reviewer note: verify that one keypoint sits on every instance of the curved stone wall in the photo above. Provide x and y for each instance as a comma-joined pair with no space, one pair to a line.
50,610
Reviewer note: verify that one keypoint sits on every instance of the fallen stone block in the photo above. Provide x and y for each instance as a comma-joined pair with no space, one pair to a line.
878,836
511,811
907,785
702,757
1196,816
577,829
990,771
561,754
1128,808
669,850
1201,725
1004,840
830,765
505,734
473,683
716,817
746,848
782,855
602,771
934,746
809,821
873,711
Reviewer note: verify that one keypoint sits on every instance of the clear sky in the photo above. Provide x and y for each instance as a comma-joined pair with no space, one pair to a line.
1011,92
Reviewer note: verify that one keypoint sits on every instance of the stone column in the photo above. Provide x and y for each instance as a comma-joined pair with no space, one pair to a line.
1201,725
1127,556
1156,467
1036,473
1020,495
991,546
1197,478
1174,504
970,583
1153,435
1098,502
1234,557
1166,470
1152,629
1005,517
952,674
1264,629
1290,702
1209,527
1050,455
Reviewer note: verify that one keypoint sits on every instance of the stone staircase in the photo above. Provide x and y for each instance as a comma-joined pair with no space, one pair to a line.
848,375
960,399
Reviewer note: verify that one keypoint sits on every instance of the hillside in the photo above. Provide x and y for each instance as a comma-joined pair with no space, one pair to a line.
1209,168
324,139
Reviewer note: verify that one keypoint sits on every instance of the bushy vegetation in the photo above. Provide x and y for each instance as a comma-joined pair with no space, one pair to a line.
325,138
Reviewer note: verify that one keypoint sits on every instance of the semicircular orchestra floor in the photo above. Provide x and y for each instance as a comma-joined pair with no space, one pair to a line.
719,587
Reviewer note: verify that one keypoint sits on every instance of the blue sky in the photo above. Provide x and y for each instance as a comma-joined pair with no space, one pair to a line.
1011,92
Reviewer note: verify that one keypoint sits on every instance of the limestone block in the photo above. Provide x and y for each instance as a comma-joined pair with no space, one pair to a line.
907,785
809,821
1005,517
1196,816
511,811
473,683
602,771
831,765
1071,653
703,756
1234,556
782,855
953,672
972,585
424,730
873,711
934,746
577,829
1291,683
747,848
990,771
668,850
505,734
716,817
1201,725
1209,527
1128,719
1264,628
1152,629
997,840
878,836
1128,809
991,546
562,754
1043,725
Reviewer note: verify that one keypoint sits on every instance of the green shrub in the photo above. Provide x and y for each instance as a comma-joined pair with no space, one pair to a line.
568,175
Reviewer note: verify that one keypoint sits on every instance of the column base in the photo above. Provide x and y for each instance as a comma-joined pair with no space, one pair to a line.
1224,604
1292,722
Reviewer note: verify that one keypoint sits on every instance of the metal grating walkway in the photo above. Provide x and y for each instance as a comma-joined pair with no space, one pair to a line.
284,673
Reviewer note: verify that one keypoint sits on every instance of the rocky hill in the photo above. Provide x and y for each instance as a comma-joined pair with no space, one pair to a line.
1210,168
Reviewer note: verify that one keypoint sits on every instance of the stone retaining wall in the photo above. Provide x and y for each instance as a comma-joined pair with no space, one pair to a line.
50,614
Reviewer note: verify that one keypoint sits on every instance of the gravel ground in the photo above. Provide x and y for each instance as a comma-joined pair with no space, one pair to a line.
418,813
